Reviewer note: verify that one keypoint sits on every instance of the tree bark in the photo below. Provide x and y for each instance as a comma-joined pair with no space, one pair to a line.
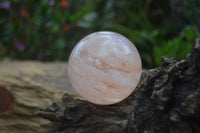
167,100
26,86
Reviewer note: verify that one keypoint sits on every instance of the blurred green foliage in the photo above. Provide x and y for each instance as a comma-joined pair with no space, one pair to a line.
48,29
177,47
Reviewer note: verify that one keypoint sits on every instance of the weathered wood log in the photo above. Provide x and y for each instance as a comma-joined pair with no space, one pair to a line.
167,100
26,86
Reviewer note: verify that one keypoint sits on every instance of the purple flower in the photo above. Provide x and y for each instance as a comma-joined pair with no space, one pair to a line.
21,46
51,2
5,5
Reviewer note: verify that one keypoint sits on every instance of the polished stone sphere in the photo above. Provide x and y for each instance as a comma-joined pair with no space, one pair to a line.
104,68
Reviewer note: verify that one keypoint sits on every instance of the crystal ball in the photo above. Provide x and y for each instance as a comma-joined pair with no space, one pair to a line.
104,68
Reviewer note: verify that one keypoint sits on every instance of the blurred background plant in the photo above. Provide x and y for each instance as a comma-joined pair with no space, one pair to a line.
47,30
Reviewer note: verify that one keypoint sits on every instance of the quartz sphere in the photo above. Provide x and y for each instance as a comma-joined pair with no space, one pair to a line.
104,68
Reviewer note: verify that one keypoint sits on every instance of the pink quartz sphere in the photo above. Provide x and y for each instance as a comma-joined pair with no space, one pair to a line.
104,68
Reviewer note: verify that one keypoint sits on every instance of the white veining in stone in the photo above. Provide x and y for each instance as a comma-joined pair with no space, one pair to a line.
104,68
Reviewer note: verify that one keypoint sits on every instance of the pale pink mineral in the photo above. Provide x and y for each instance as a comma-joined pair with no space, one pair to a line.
104,68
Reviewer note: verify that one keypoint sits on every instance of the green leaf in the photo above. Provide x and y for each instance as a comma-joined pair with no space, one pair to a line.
190,33
60,44
55,28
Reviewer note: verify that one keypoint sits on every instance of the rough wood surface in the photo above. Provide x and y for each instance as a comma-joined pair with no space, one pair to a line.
167,100
26,86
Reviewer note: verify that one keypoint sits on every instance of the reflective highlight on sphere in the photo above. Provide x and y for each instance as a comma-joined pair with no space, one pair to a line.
104,68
